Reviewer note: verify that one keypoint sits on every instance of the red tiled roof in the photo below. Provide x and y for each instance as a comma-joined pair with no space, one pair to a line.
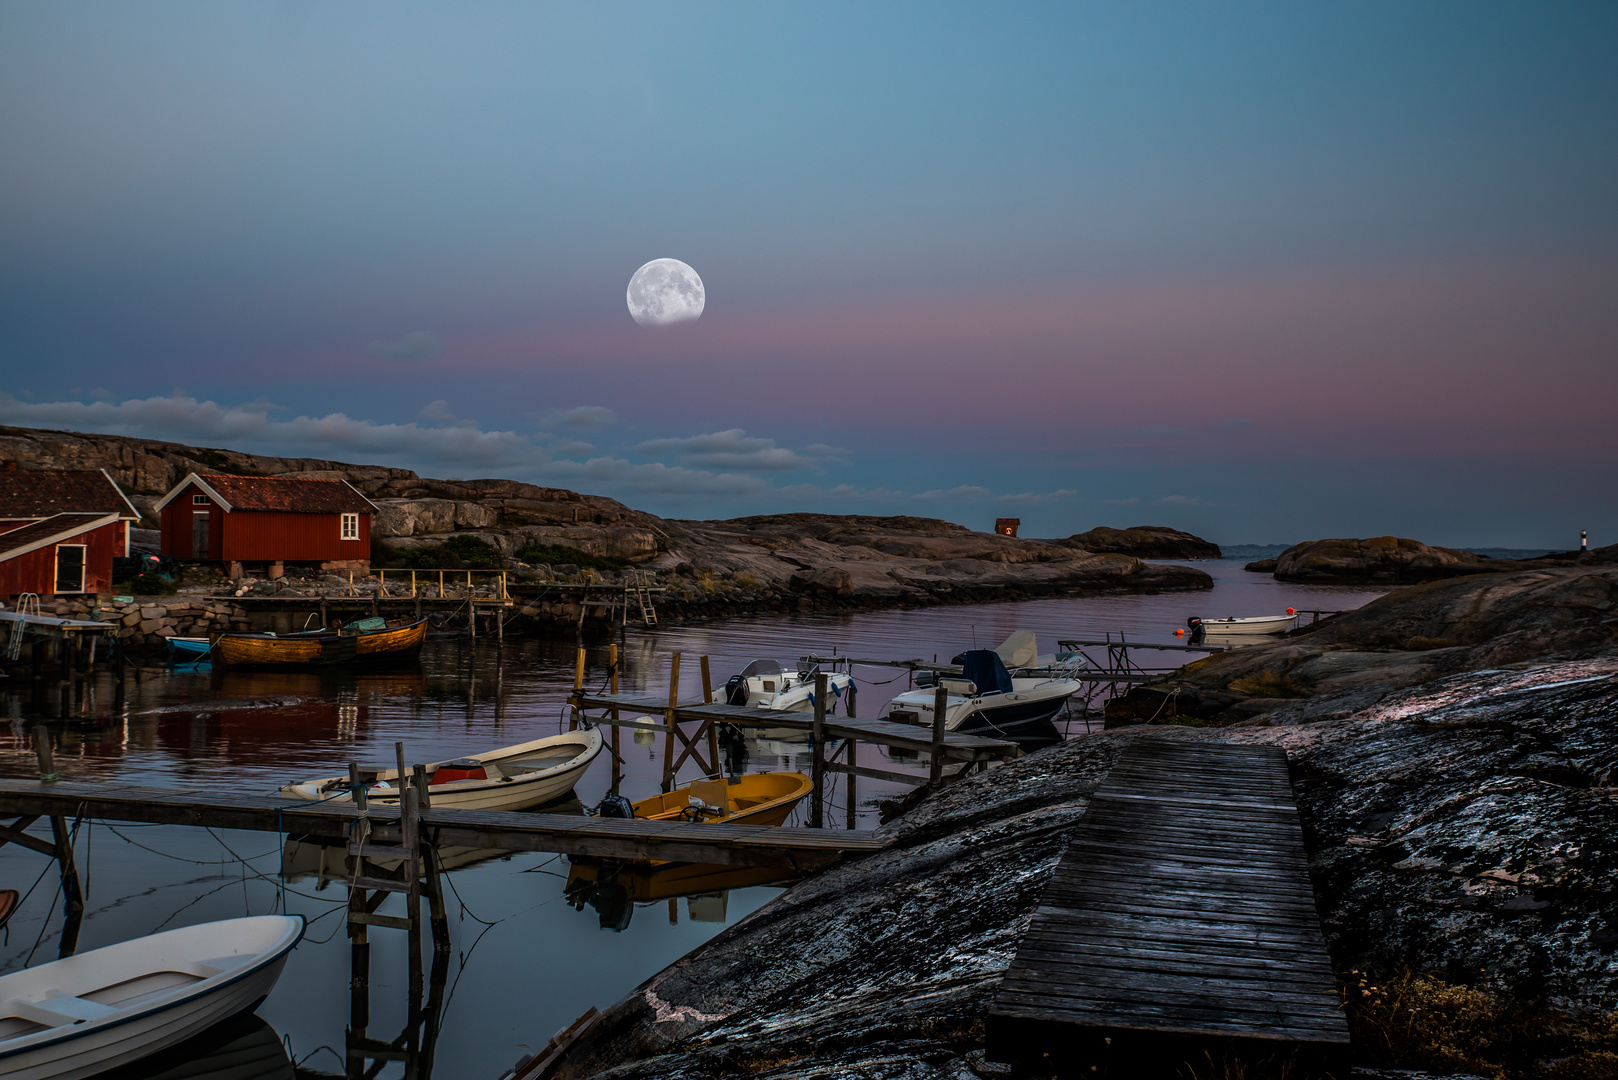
37,493
12,543
288,494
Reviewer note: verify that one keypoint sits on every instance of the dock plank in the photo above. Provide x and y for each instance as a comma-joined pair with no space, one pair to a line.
1180,915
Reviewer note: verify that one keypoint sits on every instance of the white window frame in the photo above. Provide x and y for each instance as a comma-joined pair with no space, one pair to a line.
348,527
84,569
201,500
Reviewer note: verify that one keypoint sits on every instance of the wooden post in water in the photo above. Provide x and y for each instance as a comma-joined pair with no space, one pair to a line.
72,896
429,852
817,796
617,759
578,689
359,985
940,704
713,729
668,722
852,765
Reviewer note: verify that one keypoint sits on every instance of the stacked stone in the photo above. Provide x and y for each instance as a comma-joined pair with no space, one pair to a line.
145,622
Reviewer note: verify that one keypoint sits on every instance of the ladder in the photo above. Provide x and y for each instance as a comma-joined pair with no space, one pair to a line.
648,613
27,604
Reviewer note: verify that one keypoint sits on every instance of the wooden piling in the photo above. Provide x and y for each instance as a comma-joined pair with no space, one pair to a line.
940,704
713,730
578,688
817,794
617,758
669,722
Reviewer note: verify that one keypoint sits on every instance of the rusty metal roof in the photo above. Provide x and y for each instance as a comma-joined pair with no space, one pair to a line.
288,494
37,493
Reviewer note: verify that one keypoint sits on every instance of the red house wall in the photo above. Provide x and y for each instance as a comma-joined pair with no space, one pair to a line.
267,535
176,525
35,572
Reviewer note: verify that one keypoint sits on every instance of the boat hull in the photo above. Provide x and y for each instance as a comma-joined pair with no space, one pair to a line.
91,1047
397,645
1027,708
777,794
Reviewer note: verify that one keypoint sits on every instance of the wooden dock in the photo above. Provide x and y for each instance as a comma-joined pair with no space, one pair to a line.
1179,920
612,838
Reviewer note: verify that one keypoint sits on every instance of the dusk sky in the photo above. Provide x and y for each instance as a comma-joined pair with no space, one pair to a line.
1266,272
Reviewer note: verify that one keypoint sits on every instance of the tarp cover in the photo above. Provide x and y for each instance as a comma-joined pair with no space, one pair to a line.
984,667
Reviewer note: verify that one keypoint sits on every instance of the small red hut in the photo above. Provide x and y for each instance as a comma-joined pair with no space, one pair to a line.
60,529
267,519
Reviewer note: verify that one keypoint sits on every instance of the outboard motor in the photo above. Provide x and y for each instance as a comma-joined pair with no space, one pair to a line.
736,691
734,744
615,806
1193,622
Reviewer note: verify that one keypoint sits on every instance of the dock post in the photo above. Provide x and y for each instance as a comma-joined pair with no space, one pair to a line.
434,887
853,764
72,896
410,833
578,688
713,730
817,747
940,705
617,758
324,622
359,984
668,722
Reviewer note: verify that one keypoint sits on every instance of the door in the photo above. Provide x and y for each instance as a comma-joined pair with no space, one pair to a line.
70,568
199,534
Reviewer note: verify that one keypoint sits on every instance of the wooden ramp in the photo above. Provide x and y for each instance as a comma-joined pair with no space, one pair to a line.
1179,920
572,834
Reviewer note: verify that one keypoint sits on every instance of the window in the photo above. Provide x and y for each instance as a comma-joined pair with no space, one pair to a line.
70,568
351,527
200,500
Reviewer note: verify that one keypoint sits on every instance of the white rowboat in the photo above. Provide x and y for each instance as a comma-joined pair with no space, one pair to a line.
511,778
100,1010
1256,624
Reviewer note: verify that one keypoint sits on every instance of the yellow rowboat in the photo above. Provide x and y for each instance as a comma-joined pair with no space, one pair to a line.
386,644
753,799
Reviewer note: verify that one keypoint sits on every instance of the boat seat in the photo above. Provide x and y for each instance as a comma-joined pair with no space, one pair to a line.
59,1010
714,793
965,687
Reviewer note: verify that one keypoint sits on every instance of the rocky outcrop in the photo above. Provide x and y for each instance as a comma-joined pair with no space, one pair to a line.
1393,559
1261,566
1464,829
1144,542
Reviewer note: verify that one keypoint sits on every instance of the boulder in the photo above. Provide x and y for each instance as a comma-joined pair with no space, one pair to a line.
829,581
471,515
412,517
1260,566
1144,542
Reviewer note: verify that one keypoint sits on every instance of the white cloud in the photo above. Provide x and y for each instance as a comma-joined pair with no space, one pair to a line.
966,492
732,449
581,416
1180,500
1121,502
1035,498
417,345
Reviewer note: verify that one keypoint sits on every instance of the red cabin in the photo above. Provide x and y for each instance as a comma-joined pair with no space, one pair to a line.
267,519
60,529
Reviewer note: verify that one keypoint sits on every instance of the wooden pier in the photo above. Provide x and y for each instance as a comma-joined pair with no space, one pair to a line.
612,838
1180,920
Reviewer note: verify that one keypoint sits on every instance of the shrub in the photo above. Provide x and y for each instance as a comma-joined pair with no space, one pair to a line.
748,580
152,585
557,555
456,553
1269,684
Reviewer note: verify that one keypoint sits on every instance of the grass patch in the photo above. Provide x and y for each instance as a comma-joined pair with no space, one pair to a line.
1419,1021
1268,684
557,555
456,553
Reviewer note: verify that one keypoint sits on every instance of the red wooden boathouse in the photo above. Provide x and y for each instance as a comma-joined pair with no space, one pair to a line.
267,519
60,529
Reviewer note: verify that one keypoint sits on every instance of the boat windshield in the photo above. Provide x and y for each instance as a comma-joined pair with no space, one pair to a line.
766,668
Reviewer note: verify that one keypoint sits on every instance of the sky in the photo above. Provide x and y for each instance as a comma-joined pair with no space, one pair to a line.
1266,272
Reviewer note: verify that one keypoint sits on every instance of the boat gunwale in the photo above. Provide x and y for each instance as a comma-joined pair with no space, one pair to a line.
739,817
67,1032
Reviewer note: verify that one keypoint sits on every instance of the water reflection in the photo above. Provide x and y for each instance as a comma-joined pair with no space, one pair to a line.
242,1048
612,889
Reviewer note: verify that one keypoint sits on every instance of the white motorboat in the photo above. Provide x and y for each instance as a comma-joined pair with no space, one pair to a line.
1253,625
511,778
83,1015
993,697
765,684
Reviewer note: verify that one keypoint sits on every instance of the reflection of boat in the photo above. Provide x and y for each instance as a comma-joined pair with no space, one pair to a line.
986,697
1244,627
753,798
187,650
511,778
326,863
8,904
245,1048
361,642
103,1009
764,684
613,889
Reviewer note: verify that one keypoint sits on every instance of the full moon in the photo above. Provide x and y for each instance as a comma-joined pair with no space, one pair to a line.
665,291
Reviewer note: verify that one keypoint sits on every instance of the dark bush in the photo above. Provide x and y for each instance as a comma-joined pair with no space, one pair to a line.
152,585
556,555
456,553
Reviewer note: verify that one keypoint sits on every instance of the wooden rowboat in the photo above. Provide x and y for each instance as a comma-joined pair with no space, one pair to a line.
390,644
101,1010
511,778
753,799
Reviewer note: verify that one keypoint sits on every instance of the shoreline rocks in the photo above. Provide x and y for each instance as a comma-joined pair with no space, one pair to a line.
1385,559
1144,542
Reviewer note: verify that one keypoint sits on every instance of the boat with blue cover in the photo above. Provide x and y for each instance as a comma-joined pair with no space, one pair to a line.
987,697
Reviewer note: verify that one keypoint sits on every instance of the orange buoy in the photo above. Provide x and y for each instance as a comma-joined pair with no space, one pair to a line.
1179,631
1291,611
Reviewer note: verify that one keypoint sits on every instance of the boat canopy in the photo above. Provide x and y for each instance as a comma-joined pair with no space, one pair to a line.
985,668
766,668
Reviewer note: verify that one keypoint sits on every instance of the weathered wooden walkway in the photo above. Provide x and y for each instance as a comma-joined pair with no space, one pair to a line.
1180,919
612,838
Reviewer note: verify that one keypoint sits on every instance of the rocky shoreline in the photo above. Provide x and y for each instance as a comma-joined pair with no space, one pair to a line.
1459,817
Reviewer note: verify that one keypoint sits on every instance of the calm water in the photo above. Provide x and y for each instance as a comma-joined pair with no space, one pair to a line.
525,962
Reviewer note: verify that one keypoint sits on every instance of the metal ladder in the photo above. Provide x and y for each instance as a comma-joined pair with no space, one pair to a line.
648,613
27,604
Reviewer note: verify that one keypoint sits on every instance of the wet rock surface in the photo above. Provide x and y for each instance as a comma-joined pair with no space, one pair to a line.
1464,828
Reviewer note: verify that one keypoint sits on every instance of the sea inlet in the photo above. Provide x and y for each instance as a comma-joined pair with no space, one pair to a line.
529,955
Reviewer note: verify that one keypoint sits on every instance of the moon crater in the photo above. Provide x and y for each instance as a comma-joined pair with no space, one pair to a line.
665,291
